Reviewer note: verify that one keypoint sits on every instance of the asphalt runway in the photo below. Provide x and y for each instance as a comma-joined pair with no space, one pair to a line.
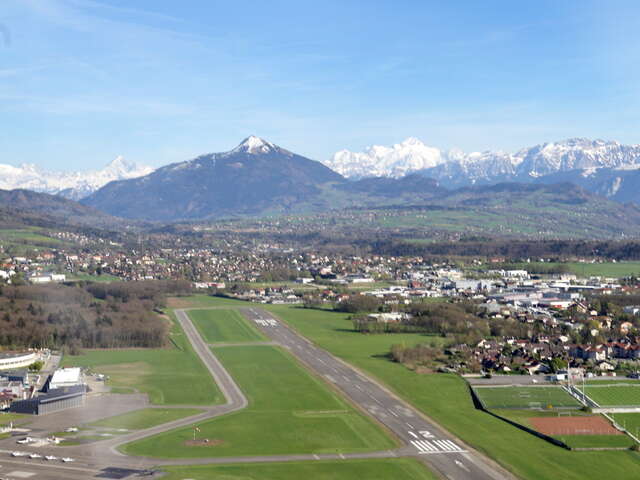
423,439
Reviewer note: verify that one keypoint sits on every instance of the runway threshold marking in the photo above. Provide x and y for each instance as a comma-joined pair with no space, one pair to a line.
436,446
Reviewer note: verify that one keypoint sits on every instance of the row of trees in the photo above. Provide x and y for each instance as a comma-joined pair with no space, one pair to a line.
620,250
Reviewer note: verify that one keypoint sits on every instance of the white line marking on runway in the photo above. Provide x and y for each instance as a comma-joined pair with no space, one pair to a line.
413,435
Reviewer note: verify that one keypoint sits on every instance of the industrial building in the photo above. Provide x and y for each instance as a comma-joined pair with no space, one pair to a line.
64,377
52,401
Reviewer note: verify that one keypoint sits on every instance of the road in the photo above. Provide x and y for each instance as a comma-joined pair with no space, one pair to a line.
422,438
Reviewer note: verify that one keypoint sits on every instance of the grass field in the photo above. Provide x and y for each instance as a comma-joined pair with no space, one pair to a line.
630,421
31,235
222,325
525,397
596,441
370,469
289,412
145,418
171,376
612,395
16,418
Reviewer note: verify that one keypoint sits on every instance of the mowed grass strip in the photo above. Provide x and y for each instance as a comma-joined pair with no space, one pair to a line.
596,441
145,418
224,326
289,411
371,469
525,397
171,376
612,395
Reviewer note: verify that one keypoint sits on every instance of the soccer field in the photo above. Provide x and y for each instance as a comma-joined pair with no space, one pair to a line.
222,325
525,397
614,395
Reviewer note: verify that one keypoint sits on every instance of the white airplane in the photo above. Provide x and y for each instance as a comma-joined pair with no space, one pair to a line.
26,440
67,459
35,455
18,454
51,457
71,429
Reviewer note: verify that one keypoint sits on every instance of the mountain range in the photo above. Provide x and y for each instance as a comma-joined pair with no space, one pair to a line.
543,190
72,185
607,168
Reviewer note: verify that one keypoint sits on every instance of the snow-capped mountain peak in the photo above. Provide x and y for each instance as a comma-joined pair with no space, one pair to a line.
73,185
254,145
469,168
381,161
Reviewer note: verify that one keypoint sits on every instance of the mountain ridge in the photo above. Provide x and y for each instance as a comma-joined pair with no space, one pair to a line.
73,185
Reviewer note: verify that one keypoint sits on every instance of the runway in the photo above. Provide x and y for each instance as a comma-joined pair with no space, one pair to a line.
422,438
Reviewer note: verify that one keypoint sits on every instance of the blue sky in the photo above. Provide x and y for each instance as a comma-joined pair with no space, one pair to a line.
82,81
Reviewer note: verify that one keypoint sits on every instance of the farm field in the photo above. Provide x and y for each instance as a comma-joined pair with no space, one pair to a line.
525,397
289,411
222,325
171,376
396,469
446,399
612,395
145,418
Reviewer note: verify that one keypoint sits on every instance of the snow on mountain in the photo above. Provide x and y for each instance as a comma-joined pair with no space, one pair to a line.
380,161
456,168
253,145
73,185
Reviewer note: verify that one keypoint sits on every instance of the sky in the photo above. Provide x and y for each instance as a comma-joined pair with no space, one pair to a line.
161,81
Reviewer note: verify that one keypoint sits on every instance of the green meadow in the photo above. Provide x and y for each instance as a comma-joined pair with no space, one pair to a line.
224,325
171,376
290,411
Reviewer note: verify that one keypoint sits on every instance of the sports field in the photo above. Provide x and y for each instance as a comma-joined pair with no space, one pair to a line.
171,376
525,397
614,395
630,421
289,411
224,325
370,469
